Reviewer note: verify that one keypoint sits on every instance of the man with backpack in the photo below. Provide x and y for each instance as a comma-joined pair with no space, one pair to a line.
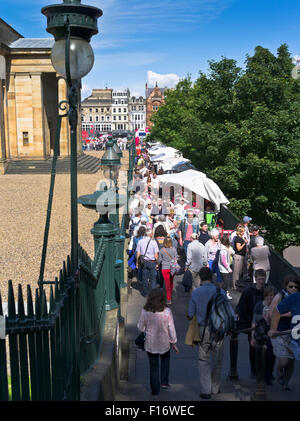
215,318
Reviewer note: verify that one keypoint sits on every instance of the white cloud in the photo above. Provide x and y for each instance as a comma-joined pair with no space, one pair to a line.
169,80
85,91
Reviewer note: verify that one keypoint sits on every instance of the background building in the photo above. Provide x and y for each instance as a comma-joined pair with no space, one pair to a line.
120,115
155,98
30,90
137,113
96,111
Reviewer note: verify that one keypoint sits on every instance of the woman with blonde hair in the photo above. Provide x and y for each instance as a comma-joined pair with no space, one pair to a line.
166,254
156,321
240,249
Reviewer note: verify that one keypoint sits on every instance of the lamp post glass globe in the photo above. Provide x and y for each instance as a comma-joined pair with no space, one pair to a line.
81,57
111,172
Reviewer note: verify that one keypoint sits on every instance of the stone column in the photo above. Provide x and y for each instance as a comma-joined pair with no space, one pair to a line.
65,129
3,162
12,118
37,116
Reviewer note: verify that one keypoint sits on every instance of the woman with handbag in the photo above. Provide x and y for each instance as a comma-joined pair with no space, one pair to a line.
167,258
156,320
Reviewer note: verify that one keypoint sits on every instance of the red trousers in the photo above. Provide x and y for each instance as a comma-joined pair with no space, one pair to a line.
168,282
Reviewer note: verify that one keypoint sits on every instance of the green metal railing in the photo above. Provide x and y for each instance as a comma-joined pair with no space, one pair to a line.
39,357
42,362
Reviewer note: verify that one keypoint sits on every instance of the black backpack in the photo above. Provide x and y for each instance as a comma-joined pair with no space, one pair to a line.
219,317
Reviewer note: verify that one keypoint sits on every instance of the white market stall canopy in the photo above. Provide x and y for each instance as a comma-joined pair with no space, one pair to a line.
163,149
169,163
197,182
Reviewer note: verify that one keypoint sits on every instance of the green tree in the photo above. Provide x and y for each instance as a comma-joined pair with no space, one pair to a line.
242,128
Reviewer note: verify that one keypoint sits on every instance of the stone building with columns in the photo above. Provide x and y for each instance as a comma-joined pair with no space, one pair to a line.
30,91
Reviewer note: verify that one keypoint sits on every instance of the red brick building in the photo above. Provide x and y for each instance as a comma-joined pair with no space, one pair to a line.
155,98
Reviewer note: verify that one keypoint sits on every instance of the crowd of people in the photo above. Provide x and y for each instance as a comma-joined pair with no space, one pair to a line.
168,237
99,143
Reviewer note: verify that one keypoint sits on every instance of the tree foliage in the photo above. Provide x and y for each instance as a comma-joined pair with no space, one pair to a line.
242,128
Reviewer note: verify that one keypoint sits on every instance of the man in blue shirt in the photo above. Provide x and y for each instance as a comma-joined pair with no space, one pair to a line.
289,304
210,375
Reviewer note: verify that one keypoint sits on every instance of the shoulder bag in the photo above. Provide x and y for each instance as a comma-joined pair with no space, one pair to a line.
174,266
142,256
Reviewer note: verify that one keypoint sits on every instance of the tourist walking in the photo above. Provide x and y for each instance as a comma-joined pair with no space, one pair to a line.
203,234
187,227
240,251
172,225
226,252
167,254
245,308
148,248
260,257
156,321
282,344
262,311
210,357
212,246
195,260
289,304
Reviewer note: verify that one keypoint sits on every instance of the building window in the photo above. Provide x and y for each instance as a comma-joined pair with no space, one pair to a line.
120,110
82,118
124,110
96,110
114,110
115,117
107,109
120,117
125,117
102,118
97,118
91,118
91,110
25,139
102,110
107,117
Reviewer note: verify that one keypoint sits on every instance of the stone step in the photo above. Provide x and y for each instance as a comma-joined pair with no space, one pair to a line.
86,164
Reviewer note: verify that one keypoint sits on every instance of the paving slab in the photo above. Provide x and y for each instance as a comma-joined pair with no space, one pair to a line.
184,378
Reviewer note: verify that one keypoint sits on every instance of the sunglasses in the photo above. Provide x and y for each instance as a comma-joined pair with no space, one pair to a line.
292,286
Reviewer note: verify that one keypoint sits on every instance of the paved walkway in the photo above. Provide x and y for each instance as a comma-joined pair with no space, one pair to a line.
184,368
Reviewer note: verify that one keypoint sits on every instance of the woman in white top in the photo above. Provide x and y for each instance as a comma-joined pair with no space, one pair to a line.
212,246
156,320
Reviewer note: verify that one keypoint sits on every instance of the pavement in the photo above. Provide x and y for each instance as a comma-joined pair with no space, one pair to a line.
184,378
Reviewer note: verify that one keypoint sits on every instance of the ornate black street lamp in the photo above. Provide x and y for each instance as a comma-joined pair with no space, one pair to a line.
116,147
110,165
72,25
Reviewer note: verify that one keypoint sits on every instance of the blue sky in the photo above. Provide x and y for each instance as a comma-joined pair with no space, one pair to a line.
165,40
